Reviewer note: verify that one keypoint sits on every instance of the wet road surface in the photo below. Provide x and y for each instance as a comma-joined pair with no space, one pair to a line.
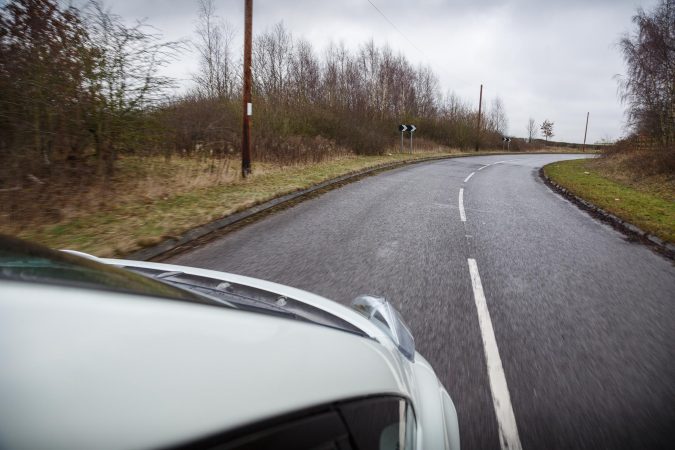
583,319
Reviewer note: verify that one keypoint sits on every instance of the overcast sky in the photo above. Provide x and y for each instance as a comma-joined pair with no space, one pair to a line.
546,59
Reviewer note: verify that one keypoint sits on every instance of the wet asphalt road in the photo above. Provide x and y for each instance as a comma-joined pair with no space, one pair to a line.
584,319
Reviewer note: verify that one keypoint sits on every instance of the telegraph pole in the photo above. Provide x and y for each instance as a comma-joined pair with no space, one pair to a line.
248,106
585,131
480,105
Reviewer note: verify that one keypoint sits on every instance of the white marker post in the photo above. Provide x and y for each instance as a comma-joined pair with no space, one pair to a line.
402,128
412,129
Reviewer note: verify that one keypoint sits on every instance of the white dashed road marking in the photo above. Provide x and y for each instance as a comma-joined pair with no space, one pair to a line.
469,177
488,165
506,421
462,215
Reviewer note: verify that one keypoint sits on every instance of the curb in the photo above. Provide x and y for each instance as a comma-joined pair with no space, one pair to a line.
204,233
666,249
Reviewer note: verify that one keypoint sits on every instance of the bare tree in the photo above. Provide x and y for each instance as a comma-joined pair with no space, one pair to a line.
649,86
216,76
547,129
126,79
272,60
305,73
531,129
426,88
497,116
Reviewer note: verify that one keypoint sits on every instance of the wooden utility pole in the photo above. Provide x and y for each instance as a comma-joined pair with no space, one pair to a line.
585,132
480,105
248,106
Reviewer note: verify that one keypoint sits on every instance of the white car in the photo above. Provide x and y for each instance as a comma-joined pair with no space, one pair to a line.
101,353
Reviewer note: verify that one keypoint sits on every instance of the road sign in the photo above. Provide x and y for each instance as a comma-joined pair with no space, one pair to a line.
505,139
403,128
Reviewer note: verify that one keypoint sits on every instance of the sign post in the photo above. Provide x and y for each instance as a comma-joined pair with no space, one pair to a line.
402,128
506,141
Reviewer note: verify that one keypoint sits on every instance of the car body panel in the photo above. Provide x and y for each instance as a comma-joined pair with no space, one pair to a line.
438,427
90,367
309,298
141,372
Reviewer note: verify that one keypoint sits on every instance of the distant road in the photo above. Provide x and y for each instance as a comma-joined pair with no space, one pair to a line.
516,297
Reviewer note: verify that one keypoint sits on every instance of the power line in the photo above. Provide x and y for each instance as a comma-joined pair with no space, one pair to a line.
397,29
411,42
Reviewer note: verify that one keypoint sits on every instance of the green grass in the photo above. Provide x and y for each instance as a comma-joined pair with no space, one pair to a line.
647,208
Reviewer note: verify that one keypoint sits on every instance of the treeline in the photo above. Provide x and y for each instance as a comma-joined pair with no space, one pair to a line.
648,87
79,87
308,102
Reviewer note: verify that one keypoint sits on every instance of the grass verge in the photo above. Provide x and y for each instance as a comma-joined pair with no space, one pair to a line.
647,206
140,221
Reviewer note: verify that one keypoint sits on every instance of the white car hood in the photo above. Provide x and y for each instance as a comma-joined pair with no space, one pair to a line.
96,369
309,298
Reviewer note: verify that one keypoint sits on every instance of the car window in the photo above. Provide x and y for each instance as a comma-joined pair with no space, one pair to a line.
386,423
375,423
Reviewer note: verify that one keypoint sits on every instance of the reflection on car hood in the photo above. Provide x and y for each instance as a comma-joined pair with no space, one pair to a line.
264,290
247,298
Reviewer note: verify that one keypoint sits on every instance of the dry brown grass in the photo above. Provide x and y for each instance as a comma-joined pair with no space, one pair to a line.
151,199
137,180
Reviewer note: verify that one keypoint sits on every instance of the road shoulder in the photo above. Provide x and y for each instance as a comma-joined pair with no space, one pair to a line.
641,216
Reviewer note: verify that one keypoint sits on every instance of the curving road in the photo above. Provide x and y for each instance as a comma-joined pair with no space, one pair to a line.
549,329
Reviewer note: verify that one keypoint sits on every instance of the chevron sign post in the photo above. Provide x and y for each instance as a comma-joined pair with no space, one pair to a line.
403,128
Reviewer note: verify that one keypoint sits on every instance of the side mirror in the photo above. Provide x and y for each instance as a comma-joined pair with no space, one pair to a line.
381,313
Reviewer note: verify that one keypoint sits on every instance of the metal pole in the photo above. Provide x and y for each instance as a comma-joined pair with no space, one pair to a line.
585,131
480,105
508,145
401,141
248,106
411,150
